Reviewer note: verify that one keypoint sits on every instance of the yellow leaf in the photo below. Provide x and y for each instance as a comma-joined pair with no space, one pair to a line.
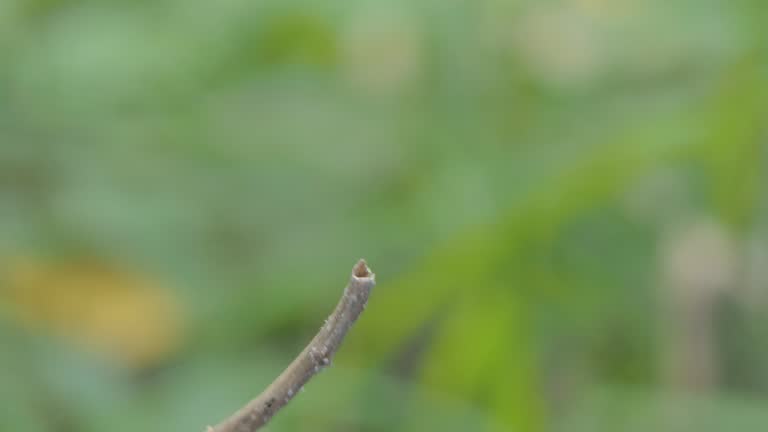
117,313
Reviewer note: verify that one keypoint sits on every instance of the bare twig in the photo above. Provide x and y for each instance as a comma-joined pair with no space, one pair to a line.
316,356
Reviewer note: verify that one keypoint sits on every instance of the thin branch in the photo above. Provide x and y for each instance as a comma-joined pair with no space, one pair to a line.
316,356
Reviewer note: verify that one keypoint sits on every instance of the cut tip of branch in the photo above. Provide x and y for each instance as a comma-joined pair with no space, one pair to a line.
361,270
316,356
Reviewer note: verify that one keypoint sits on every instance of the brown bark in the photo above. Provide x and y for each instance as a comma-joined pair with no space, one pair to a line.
316,356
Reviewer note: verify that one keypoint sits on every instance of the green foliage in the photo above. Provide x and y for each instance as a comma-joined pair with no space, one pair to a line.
495,163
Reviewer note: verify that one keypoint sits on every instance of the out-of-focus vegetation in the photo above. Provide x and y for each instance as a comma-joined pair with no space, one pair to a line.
563,200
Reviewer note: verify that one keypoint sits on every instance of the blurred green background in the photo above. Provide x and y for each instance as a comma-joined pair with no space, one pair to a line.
564,203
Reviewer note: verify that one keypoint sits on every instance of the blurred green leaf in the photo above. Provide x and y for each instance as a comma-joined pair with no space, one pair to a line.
734,152
453,280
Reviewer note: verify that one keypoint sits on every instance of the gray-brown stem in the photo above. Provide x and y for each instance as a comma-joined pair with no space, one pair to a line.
316,356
